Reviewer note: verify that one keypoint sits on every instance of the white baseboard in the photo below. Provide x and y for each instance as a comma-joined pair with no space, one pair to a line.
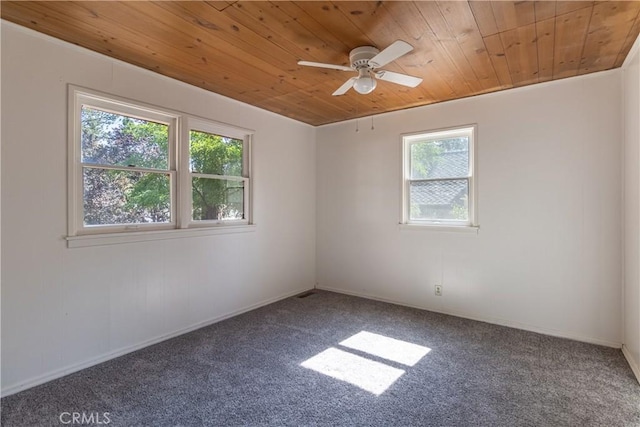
632,363
58,373
492,320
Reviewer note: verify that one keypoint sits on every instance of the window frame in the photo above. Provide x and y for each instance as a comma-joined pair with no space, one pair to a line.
178,171
409,139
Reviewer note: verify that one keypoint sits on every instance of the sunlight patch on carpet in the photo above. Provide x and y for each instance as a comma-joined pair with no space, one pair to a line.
392,349
374,377
370,375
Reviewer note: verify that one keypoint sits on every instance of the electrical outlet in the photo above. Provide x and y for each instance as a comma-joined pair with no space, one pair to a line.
438,289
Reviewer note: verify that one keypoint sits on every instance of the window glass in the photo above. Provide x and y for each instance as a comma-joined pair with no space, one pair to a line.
443,200
120,140
442,158
215,154
217,199
114,196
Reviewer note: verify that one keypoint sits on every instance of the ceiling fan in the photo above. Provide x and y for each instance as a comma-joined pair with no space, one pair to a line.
366,60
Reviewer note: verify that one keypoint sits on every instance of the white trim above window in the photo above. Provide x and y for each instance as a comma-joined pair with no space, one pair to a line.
439,179
129,170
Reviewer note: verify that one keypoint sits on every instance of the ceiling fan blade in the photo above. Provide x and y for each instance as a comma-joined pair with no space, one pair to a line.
401,79
322,65
391,53
345,87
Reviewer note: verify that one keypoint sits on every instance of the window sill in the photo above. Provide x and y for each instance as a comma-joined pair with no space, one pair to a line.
467,229
146,236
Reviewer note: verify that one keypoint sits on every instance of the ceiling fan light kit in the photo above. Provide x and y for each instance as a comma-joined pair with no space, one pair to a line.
365,60
365,83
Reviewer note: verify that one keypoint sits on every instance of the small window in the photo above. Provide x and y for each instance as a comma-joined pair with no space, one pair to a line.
124,173
439,177
219,177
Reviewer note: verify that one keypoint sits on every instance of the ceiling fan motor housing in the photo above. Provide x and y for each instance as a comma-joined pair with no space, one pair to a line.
360,56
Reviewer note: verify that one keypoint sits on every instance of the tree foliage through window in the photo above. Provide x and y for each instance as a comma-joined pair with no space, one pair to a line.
216,157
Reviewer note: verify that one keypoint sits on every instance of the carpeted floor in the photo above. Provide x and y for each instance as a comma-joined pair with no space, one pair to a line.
249,370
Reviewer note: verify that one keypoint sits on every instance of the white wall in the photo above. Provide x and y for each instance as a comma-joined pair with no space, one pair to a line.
631,98
548,253
66,308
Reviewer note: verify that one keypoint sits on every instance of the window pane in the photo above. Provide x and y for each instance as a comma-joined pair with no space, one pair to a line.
443,158
217,199
124,197
119,140
215,154
445,200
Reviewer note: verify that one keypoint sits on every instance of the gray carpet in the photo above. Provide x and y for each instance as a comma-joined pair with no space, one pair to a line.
247,371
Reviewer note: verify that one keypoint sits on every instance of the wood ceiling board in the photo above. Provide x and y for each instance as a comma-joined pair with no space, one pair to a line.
143,47
571,32
404,14
449,45
235,40
513,14
193,15
333,107
463,26
279,28
251,42
428,60
608,29
75,29
295,12
628,42
483,14
499,60
220,5
297,104
220,59
249,50
334,22
544,10
563,7
545,33
439,65
520,48
206,44
371,19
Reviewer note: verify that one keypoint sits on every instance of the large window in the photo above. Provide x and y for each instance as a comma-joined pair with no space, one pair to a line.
133,167
439,177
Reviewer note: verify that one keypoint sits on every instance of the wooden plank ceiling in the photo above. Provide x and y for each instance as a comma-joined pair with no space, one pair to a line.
249,50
